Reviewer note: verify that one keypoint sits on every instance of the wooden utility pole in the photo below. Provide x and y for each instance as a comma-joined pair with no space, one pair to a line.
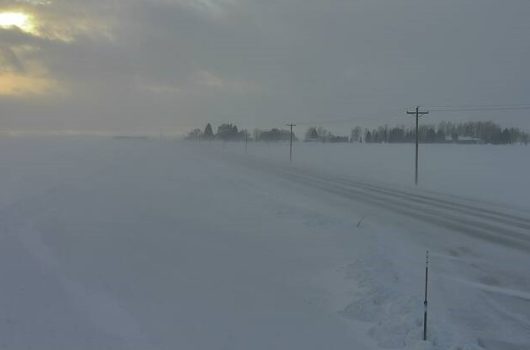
418,114
246,141
291,143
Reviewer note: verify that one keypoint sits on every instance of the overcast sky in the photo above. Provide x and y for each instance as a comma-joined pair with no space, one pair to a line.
171,65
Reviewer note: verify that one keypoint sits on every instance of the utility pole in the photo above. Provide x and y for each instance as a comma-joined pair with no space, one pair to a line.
246,140
291,143
418,114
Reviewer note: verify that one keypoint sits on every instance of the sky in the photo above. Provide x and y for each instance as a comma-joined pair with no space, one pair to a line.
167,66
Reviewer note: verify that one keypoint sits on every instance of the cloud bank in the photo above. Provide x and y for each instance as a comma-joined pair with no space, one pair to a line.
146,66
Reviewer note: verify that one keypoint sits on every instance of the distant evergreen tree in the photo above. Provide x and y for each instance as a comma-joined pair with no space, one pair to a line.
322,135
506,136
228,132
311,134
396,135
356,134
368,137
208,132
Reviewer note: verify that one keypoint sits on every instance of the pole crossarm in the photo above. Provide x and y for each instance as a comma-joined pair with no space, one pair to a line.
418,112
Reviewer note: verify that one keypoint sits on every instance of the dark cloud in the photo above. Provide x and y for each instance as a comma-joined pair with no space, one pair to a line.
9,62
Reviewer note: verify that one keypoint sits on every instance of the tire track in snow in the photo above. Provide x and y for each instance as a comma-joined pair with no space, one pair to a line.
484,213
468,217
450,220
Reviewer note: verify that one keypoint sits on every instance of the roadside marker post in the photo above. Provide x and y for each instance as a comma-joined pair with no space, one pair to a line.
425,302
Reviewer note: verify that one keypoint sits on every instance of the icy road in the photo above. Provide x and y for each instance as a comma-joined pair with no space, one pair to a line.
128,244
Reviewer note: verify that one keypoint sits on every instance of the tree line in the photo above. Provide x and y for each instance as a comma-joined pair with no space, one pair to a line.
445,132
230,132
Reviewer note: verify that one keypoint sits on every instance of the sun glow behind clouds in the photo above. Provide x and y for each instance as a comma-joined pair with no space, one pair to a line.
13,84
17,19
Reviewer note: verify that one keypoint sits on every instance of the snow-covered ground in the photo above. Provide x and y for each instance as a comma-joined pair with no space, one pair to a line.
131,244
490,172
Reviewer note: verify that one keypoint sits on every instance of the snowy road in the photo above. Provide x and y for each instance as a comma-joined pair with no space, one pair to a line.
495,223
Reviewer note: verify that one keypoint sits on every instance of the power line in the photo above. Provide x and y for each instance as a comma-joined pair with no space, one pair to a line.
438,109
482,109
482,105
345,120
332,121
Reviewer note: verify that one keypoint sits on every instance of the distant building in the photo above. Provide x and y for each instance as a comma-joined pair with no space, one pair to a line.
464,140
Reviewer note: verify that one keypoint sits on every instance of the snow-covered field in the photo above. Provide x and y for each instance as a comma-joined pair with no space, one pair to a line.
131,244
